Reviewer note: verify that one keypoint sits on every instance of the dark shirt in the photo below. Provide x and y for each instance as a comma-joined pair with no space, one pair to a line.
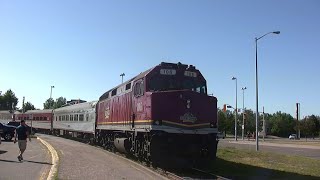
22,132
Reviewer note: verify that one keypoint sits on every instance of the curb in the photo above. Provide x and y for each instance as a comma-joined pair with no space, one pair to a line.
55,159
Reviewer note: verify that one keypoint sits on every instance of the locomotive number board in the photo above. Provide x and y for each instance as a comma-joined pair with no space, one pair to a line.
190,74
168,71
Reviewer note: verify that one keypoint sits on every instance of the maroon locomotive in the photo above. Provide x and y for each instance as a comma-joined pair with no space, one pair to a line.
163,116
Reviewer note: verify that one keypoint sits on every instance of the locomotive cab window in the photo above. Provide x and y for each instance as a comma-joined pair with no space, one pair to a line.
167,83
138,88
114,92
128,86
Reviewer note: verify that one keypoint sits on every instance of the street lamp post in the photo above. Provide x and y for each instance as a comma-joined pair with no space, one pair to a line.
51,92
244,88
236,110
122,77
257,106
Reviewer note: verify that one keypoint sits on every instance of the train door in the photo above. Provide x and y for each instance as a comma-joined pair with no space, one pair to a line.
137,101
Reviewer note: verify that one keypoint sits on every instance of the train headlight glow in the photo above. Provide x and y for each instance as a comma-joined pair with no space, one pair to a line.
157,122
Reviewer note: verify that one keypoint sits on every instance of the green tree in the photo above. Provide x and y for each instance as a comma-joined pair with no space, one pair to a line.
229,121
29,106
250,121
8,101
60,102
311,125
282,124
306,127
222,121
49,104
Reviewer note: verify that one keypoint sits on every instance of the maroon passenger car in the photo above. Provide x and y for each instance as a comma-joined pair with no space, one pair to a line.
163,116
39,119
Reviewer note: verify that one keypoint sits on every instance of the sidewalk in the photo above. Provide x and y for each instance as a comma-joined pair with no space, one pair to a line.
36,163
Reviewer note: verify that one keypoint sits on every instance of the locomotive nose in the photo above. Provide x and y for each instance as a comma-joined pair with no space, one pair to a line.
187,109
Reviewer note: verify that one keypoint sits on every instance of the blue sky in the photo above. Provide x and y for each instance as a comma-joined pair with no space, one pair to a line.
81,47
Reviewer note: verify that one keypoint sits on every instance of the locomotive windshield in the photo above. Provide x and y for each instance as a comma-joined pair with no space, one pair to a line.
166,83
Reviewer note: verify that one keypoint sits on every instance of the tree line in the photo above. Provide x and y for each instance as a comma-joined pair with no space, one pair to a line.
9,101
278,124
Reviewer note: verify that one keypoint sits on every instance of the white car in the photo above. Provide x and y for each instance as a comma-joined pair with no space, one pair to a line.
293,136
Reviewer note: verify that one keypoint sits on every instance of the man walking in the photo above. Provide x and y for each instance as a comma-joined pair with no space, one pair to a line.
22,133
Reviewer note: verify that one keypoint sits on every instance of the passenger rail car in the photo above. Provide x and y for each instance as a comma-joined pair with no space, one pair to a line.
39,119
163,116
76,120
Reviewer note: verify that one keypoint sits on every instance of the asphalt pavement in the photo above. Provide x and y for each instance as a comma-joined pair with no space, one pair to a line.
82,161
36,163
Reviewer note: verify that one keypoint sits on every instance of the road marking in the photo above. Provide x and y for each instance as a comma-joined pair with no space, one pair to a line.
55,159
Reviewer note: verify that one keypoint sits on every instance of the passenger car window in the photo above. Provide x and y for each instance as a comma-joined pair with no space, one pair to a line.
81,117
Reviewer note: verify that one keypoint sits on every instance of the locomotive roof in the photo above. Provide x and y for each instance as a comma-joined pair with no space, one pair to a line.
105,95
74,107
143,74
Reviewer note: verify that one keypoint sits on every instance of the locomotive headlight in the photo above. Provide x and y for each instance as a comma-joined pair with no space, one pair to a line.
157,122
213,125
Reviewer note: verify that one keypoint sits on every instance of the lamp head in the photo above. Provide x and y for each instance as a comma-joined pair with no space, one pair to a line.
244,88
276,32
52,86
234,78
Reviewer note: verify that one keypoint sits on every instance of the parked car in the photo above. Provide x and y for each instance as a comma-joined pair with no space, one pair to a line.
17,123
7,131
293,136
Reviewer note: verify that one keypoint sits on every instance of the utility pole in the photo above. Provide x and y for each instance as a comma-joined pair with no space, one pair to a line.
23,105
264,123
244,111
236,111
298,117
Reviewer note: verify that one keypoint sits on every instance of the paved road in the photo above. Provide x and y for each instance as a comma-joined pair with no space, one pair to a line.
82,161
36,163
288,149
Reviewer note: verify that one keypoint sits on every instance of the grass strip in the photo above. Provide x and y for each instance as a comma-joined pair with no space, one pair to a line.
243,164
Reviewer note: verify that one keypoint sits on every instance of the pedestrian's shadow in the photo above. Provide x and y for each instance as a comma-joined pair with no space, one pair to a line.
2,152
3,160
37,162
9,161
